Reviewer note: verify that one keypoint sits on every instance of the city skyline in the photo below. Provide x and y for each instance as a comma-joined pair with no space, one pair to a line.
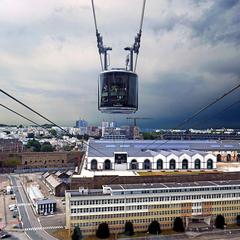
49,60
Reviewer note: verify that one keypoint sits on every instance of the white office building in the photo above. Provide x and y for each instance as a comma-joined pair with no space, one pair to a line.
142,155
197,203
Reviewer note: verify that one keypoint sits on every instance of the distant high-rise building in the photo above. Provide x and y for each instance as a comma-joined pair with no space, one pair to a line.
134,132
113,124
81,123
105,125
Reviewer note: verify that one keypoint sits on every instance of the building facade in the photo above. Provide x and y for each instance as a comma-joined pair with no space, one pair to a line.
42,205
49,159
143,203
10,145
159,154
162,160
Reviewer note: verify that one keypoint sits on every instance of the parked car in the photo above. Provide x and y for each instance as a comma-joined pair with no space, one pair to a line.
13,208
13,196
4,235
11,205
15,213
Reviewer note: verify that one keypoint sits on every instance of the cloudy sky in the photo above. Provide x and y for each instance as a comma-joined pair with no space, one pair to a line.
189,56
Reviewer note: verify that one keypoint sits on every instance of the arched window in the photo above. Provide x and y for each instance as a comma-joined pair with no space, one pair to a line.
185,164
159,164
209,164
94,164
219,157
238,157
134,164
229,158
146,164
107,165
172,164
197,164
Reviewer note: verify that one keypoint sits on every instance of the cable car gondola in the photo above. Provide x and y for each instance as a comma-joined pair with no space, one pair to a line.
118,91
118,87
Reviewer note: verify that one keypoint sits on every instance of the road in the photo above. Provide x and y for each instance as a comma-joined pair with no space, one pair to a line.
28,217
233,234
5,210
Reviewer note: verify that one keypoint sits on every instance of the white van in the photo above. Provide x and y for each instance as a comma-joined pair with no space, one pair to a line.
11,206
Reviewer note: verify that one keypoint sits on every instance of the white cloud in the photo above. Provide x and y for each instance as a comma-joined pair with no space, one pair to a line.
49,59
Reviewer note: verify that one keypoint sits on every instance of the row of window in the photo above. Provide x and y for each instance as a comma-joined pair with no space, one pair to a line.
89,223
134,165
141,207
156,214
228,157
43,162
152,199
92,230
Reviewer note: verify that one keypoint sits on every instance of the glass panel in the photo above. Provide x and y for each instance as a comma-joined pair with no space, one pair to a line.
118,89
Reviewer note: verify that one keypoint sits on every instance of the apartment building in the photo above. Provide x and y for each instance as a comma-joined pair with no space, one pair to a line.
143,203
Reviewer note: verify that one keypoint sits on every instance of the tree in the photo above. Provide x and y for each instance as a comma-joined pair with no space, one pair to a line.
86,137
30,135
67,148
154,227
46,147
129,229
34,145
178,225
220,222
103,231
53,132
238,220
77,234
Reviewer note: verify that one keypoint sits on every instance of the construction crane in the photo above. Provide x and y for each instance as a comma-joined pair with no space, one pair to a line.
137,118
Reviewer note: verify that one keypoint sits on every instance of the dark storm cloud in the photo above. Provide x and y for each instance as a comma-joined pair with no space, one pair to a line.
180,95
189,55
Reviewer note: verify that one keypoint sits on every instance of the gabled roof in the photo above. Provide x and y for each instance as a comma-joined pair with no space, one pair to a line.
46,174
138,148
58,173
53,181
69,172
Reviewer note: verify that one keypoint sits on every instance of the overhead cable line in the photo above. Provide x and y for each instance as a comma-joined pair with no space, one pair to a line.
219,112
138,38
41,126
187,120
207,106
99,37
19,114
31,109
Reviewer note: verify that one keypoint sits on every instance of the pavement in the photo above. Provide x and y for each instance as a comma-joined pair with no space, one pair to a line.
31,224
230,234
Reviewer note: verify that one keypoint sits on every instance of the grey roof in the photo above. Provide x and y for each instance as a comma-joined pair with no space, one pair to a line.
168,185
53,181
58,173
46,201
46,174
137,148
69,172
165,187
